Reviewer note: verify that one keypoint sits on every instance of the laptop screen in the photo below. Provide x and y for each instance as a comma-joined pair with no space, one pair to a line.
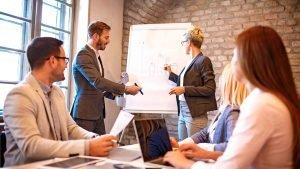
153,137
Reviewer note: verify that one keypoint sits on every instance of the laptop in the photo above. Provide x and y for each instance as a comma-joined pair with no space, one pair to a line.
153,138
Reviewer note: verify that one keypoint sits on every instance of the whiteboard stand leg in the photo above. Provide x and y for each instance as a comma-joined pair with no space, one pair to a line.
162,115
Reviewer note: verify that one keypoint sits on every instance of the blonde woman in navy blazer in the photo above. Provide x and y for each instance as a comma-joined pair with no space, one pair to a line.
195,91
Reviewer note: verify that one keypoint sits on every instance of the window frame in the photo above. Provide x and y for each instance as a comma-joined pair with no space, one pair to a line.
33,9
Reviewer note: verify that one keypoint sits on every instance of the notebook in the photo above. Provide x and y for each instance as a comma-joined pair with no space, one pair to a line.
154,141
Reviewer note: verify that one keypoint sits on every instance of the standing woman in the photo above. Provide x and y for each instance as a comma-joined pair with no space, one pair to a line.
267,133
195,91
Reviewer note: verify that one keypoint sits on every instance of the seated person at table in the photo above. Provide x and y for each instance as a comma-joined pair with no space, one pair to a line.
38,125
216,136
155,139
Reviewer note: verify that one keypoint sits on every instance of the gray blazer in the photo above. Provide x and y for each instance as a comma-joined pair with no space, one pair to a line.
90,86
223,130
30,133
200,86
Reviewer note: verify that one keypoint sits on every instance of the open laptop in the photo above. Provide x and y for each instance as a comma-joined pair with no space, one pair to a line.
154,141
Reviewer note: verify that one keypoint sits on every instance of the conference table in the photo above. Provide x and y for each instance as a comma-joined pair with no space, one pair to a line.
129,154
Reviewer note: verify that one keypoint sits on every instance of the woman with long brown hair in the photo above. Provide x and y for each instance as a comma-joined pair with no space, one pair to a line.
268,130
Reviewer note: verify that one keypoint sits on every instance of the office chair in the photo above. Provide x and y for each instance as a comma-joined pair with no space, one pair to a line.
2,147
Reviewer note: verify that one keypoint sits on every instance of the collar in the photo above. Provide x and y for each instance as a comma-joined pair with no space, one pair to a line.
96,51
45,88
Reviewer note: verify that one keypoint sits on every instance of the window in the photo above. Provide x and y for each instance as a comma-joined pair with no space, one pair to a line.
19,24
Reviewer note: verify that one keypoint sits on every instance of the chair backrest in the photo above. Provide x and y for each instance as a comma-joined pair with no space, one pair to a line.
2,147
1,117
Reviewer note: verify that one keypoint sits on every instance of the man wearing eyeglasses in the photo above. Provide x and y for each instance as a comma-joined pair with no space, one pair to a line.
38,125
91,85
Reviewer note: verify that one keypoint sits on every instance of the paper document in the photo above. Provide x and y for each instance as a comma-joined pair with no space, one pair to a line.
122,121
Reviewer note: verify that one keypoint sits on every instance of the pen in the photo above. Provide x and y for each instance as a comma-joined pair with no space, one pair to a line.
140,89
121,144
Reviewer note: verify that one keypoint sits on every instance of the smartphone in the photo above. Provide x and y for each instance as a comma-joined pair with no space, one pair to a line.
71,163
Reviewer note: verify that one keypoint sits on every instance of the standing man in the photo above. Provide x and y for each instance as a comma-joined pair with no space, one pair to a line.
38,125
89,109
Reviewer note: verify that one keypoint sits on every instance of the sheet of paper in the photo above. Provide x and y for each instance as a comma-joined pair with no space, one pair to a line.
121,122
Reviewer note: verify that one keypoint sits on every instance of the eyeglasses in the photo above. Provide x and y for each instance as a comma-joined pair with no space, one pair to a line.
65,58
182,42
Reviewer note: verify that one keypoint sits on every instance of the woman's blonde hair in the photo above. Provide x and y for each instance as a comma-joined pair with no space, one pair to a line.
195,35
232,91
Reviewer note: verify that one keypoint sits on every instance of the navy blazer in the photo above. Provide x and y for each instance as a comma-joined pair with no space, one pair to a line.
223,130
200,86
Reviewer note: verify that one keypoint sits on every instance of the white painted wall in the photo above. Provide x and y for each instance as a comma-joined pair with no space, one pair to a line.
81,15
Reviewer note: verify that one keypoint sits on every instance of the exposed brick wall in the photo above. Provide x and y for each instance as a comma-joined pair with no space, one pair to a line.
140,12
221,21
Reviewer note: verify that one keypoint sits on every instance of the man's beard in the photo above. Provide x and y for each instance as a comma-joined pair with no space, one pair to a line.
61,77
100,45
58,76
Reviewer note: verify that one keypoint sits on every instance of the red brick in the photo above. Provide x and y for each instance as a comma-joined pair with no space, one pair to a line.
270,16
296,49
222,58
270,4
213,4
285,15
228,52
281,22
217,40
219,22
225,3
212,29
192,8
275,9
225,27
247,6
295,43
240,13
297,15
256,17
197,13
233,8
291,22
248,25
259,4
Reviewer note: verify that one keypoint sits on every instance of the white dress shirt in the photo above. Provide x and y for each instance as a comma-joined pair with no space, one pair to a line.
97,55
181,97
262,138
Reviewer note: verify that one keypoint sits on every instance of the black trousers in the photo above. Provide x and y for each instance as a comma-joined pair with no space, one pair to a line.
96,126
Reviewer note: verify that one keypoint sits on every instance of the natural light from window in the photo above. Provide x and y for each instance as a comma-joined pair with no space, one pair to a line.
16,32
